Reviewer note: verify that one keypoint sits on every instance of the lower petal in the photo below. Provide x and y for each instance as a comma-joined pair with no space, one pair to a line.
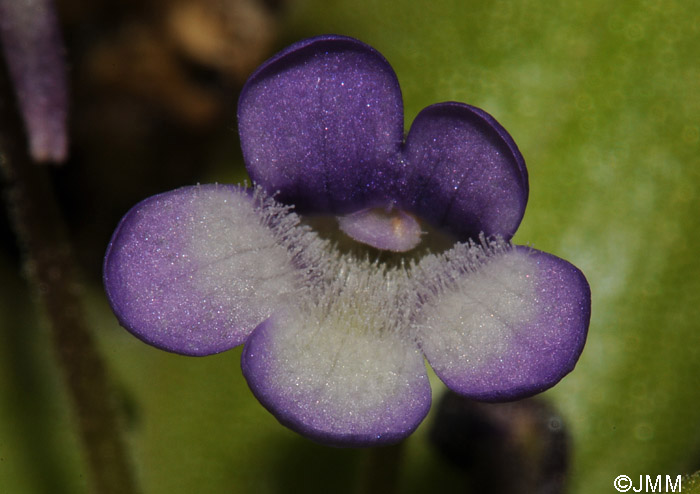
337,386
510,325
195,270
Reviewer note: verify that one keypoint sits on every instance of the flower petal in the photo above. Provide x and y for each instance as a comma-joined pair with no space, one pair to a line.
319,122
334,387
341,367
195,270
509,328
467,173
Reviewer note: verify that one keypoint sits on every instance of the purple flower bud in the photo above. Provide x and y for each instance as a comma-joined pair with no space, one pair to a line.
503,447
33,49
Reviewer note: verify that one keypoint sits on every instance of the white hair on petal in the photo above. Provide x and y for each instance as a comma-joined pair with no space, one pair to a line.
343,339
337,289
308,252
347,348
474,300
363,296
435,273
251,253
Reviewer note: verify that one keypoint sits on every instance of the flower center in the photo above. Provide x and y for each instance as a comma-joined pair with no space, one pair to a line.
383,228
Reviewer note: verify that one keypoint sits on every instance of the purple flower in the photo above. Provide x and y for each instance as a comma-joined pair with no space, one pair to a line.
336,341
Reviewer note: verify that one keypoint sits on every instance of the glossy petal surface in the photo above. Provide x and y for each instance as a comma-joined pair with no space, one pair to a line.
467,174
195,270
511,328
336,387
320,123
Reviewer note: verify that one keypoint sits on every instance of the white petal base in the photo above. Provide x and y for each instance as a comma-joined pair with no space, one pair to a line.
195,270
505,326
340,370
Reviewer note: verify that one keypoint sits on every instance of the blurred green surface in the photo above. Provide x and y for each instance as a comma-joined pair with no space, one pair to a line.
603,100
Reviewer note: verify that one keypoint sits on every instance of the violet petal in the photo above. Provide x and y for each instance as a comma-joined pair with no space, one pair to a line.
321,122
511,328
467,173
195,270
32,46
333,386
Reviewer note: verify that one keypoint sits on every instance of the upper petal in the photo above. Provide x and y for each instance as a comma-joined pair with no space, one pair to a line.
195,270
507,326
320,122
467,175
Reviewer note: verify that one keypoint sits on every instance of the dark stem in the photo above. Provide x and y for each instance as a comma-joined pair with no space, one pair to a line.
381,470
51,271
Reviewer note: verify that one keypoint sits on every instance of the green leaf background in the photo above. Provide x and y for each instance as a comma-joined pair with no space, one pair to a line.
603,99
